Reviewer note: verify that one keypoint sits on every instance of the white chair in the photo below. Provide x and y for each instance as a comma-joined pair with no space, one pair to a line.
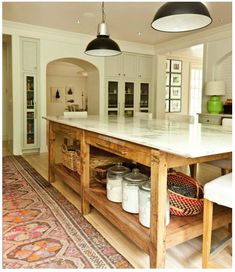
148,115
224,164
217,191
180,118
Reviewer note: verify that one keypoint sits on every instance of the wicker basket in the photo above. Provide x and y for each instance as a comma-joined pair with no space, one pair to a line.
185,194
71,158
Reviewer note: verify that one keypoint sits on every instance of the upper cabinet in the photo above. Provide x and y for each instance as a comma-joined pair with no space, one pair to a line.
145,64
29,54
128,84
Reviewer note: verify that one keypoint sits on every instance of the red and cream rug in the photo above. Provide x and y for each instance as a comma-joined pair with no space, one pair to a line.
41,229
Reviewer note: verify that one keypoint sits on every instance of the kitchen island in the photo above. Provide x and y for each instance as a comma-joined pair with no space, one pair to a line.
158,144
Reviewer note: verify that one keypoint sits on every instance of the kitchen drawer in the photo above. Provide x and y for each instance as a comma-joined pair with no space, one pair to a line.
67,131
121,148
213,120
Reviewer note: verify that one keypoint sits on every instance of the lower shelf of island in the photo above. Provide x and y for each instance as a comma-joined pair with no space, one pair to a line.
179,230
71,178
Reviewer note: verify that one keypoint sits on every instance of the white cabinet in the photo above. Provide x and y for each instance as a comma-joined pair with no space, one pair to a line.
29,74
128,84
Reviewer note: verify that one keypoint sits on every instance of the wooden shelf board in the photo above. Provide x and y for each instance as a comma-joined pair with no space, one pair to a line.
68,176
124,221
182,229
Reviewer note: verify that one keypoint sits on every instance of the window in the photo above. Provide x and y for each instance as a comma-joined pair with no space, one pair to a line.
195,98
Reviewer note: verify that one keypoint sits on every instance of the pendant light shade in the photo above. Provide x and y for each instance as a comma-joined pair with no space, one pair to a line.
181,17
103,46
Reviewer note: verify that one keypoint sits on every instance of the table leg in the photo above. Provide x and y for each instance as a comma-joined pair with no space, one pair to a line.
158,209
85,176
51,155
193,170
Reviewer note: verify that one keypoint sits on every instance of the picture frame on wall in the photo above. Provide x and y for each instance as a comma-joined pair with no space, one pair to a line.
57,94
175,105
176,66
167,65
175,93
167,109
175,79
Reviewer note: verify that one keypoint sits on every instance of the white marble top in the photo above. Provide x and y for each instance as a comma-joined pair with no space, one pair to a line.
187,140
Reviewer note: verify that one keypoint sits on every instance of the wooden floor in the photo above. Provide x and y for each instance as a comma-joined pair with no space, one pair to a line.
186,255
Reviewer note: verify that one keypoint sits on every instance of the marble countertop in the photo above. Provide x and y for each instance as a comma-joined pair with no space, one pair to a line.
187,140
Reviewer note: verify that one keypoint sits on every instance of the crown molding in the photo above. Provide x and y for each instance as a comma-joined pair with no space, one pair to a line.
203,36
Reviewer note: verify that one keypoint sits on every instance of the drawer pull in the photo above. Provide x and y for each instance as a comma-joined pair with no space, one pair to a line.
122,152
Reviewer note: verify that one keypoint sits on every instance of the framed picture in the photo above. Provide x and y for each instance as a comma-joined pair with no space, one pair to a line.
167,79
176,66
175,92
57,94
175,105
175,79
167,96
167,65
166,105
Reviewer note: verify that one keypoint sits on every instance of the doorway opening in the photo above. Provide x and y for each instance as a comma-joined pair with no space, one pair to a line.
72,85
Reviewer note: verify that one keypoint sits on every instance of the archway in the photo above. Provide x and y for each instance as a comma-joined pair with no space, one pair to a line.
72,84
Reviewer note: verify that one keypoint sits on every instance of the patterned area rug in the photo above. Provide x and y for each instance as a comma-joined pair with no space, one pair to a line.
41,229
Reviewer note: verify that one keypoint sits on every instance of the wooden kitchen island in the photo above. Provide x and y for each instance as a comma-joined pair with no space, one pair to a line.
158,144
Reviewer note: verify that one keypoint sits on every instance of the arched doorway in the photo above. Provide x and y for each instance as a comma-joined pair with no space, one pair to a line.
72,84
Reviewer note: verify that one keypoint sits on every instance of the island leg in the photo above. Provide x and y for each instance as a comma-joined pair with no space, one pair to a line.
51,155
85,176
158,209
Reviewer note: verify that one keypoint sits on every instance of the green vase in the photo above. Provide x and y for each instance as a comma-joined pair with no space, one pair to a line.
215,105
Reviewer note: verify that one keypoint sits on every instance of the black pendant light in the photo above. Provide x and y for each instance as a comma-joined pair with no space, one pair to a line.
181,17
103,46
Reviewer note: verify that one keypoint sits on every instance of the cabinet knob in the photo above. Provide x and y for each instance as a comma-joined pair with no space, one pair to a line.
119,74
139,75
124,74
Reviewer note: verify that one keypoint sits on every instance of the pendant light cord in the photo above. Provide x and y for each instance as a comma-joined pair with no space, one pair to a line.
103,13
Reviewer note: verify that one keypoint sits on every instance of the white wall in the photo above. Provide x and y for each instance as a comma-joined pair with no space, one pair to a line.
218,65
93,94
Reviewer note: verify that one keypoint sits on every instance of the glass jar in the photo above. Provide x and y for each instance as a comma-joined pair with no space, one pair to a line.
130,190
114,182
144,205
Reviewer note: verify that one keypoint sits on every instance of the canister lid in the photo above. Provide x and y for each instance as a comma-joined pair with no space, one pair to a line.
146,186
118,169
135,176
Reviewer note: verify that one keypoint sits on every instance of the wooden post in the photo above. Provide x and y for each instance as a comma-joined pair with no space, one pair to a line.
157,250
207,231
85,175
193,170
51,155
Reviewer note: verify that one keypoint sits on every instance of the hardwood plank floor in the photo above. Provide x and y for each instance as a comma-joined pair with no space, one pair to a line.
186,255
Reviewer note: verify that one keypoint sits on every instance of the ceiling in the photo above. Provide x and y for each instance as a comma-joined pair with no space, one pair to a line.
125,19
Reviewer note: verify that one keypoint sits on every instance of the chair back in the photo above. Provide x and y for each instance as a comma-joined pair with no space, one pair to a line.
227,123
181,118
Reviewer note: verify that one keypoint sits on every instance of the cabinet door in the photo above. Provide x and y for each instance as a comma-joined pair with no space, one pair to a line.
113,96
129,98
145,67
129,65
113,66
29,54
30,111
144,95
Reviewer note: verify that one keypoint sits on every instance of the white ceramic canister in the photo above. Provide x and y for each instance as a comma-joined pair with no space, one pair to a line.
114,182
130,190
144,205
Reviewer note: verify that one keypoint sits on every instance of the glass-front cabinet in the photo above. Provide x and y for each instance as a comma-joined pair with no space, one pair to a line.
113,97
129,99
144,90
30,111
